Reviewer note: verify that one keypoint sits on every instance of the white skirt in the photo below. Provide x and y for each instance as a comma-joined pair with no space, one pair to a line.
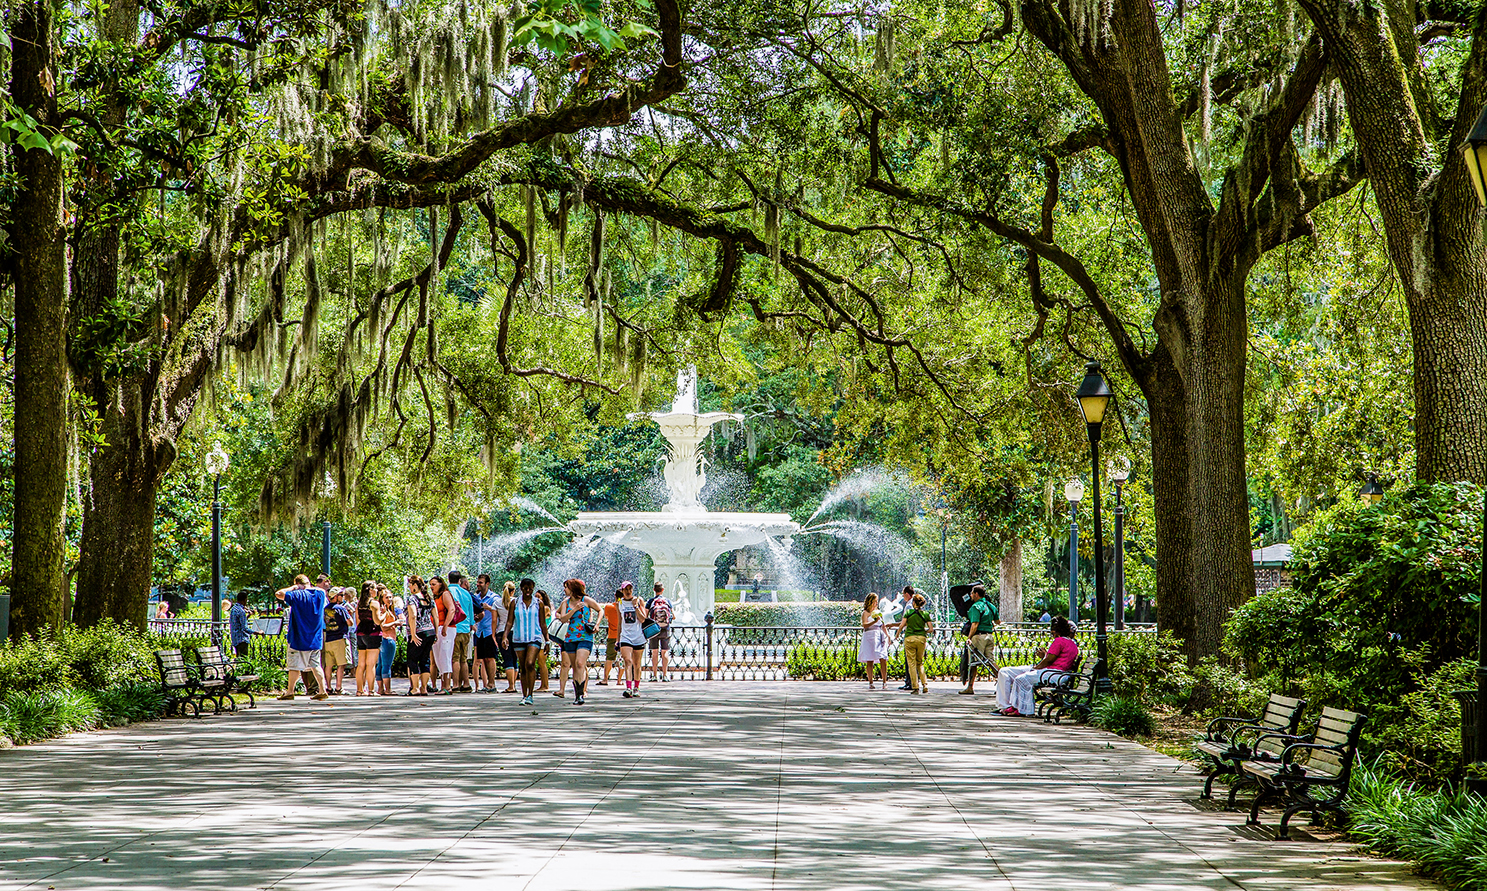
874,646
444,650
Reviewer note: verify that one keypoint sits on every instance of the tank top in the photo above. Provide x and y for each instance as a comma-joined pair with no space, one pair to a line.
580,626
366,624
425,605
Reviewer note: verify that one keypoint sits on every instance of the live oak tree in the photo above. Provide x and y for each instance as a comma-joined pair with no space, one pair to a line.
1206,144
213,143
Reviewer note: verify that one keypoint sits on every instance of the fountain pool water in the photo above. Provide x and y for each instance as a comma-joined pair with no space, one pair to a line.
684,539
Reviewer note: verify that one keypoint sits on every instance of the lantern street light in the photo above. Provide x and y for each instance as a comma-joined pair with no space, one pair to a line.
1476,165
216,463
1371,492
1120,471
1094,395
1073,492
330,489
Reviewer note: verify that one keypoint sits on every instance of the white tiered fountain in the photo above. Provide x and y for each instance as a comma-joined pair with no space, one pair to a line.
684,538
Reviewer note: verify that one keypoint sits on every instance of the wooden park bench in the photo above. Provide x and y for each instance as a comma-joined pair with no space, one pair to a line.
180,688
223,675
1324,762
1228,741
1072,696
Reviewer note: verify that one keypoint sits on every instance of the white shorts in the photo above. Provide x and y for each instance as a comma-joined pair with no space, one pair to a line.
302,660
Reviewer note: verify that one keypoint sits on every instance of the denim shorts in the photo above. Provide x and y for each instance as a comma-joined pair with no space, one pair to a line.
572,646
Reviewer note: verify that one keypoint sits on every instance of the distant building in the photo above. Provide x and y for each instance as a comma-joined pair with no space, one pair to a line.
1272,567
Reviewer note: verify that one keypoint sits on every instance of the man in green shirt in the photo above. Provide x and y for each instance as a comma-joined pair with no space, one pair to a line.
982,614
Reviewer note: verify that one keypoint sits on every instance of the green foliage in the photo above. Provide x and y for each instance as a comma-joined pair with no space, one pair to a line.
1441,830
129,703
94,658
1223,690
1420,734
1148,667
1125,715
839,663
832,614
29,717
1379,619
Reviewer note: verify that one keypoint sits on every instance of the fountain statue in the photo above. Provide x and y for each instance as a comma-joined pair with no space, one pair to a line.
684,539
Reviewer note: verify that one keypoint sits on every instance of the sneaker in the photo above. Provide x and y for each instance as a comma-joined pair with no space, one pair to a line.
526,700
665,679
319,696
627,694
636,694
906,687
285,696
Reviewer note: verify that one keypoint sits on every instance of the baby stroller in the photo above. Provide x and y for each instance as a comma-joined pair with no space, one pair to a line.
960,598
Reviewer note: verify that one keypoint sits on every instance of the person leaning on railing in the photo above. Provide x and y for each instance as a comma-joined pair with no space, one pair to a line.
981,619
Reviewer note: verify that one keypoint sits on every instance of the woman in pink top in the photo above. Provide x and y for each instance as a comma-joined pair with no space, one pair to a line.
1014,686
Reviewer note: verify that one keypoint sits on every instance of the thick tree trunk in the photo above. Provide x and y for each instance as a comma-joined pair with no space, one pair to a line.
1010,601
1176,597
1449,331
1432,220
41,381
117,549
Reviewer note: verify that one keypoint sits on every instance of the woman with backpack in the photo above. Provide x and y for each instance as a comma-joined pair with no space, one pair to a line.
421,634
581,613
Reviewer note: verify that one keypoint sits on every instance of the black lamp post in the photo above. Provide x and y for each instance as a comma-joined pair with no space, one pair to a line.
1371,492
216,463
1120,471
1073,492
1094,395
1476,162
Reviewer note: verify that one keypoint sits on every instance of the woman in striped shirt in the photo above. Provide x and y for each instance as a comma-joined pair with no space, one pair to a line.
525,632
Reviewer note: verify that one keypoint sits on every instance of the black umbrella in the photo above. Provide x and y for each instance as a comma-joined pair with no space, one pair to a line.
960,598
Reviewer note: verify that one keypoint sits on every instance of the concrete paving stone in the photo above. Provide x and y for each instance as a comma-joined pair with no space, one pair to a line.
738,785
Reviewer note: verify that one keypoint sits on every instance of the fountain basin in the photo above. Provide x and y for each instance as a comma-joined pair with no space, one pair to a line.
684,546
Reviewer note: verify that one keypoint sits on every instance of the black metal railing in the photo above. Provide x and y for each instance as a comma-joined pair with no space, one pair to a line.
746,653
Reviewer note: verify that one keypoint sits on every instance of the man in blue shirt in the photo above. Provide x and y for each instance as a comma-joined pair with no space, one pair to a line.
486,650
237,624
306,634
463,652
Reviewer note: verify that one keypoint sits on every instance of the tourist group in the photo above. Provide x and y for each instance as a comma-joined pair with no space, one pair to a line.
463,641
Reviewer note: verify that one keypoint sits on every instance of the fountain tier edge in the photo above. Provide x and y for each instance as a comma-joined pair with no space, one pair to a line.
684,547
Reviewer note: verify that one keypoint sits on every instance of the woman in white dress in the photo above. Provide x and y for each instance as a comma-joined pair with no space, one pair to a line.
874,646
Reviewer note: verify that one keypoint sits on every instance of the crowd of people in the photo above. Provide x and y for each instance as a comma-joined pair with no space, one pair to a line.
464,641
459,640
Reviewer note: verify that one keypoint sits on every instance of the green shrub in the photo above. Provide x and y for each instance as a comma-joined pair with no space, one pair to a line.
33,665
836,614
129,703
1420,733
29,717
1442,831
1148,667
1222,690
1125,715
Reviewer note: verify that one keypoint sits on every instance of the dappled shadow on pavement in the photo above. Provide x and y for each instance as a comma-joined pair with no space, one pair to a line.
696,785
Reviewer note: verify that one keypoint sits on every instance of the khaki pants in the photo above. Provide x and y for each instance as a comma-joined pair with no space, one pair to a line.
985,645
914,649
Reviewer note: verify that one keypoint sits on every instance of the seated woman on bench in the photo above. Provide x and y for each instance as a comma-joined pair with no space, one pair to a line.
1014,686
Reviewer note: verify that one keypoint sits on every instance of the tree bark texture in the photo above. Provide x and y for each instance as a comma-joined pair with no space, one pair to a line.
1010,601
41,381
1432,220
117,546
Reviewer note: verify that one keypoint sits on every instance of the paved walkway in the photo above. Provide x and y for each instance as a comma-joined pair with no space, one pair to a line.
696,785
